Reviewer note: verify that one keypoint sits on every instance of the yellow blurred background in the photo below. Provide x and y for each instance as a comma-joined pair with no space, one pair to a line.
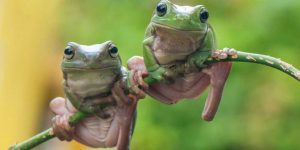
260,107
30,73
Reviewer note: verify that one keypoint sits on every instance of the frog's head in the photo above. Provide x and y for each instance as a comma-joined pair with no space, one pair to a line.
94,57
181,17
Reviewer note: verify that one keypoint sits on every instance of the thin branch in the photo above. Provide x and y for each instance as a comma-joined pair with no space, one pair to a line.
46,135
239,57
260,59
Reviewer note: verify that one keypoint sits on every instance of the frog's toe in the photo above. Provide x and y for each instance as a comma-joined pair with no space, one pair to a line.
135,90
223,55
220,54
140,77
230,51
61,128
137,84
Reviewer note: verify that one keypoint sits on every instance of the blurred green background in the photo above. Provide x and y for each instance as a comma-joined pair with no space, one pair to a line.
260,107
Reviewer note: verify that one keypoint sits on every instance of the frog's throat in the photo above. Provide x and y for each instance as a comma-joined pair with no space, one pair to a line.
173,28
85,108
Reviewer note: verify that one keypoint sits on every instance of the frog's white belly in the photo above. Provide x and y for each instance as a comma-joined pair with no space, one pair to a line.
171,45
90,83
97,132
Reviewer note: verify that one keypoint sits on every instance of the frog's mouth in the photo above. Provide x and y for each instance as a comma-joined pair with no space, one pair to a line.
157,24
89,68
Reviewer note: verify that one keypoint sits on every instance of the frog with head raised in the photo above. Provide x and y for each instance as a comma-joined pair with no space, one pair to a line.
178,40
95,83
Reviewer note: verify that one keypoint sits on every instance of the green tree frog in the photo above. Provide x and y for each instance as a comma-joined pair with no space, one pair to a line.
177,42
94,82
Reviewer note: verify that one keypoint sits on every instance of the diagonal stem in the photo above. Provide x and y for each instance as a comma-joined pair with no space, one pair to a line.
46,135
239,57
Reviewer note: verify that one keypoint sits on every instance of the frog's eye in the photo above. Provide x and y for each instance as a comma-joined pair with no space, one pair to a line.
69,52
161,9
204,15
113,51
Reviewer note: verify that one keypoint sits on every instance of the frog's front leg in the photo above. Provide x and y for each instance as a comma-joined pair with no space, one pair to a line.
155,71
61,127
198,58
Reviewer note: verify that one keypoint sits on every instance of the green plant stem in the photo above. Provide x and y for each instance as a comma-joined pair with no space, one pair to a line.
240,57
46,135
260,59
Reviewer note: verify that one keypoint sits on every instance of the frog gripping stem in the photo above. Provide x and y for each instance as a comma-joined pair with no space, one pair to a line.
225,55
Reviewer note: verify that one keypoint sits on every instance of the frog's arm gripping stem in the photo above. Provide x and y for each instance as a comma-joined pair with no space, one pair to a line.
239,57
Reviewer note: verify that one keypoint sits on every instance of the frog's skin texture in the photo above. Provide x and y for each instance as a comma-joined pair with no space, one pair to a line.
93,82
181,36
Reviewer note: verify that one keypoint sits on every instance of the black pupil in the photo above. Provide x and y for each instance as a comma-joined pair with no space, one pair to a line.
162,8
68,51
204,16
114,50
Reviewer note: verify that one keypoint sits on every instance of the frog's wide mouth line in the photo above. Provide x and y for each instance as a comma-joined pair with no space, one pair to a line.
177,29
89,69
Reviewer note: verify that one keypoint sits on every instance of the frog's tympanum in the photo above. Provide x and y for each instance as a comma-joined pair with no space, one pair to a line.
181,37
94,82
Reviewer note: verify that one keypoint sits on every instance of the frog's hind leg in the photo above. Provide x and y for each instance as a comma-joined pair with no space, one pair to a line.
218,74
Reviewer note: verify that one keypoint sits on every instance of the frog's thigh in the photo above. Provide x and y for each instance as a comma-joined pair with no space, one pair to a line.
125,134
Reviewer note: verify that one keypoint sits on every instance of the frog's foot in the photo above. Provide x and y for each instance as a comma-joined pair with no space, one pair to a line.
137,73
61,127
63,109
137,86
225,53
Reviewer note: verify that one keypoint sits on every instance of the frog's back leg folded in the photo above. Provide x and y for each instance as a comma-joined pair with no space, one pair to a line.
190,85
